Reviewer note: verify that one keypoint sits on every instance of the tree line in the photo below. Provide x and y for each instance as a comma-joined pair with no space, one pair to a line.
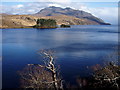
46,23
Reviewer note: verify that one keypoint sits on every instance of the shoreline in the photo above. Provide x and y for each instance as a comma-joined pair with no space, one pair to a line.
41,28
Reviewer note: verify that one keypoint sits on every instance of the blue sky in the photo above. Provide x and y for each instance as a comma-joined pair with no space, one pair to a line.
108,11
102,4
90,4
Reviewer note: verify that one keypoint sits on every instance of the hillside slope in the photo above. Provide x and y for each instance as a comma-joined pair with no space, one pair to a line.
26,21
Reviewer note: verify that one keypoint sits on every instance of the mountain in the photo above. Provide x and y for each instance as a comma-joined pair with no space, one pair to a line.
57,11
66,16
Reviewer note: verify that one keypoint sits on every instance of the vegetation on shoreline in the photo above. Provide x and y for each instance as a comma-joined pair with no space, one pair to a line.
45,23
64,26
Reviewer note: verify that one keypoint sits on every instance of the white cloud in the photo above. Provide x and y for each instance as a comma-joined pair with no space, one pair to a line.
56,5
26,8
60,0
108,14
31,10
20,6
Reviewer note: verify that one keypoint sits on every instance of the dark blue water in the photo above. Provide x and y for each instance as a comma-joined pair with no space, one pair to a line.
76,49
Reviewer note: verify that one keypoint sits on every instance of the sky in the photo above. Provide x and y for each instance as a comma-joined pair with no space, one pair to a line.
104,9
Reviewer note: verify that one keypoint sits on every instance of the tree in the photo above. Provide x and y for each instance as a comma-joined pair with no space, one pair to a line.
46,23
35,76
64,26
50,65
107,76
42,76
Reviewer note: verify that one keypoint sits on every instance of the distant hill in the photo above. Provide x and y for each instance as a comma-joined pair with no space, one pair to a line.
56,11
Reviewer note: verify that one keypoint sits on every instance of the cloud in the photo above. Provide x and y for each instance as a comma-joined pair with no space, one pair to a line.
19,6
56,5
26,8
108,14
60,0
31,10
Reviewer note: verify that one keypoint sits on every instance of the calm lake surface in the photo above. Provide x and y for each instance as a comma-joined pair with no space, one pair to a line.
76,49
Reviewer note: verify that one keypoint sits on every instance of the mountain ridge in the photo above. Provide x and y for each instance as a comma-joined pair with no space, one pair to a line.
56,11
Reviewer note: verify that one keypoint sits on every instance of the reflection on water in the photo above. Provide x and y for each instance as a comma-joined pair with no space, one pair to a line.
76,48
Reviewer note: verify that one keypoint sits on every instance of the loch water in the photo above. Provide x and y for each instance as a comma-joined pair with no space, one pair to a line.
76,48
